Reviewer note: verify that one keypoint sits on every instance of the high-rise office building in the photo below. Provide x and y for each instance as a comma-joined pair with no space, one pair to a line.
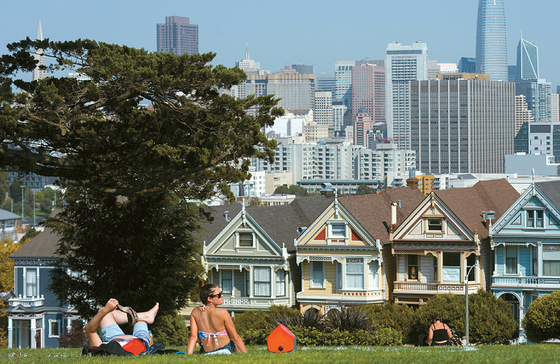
527,60
404,64
343,81
304,69
491,40
539,138
368,92
554,108
323,113
39,55
248,63
177,35
538,95
467,65
522,112
462,125
325,84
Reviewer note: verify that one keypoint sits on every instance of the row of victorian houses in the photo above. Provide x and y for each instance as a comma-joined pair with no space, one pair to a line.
324,253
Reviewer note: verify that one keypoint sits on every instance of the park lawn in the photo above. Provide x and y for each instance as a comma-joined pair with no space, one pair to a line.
541,353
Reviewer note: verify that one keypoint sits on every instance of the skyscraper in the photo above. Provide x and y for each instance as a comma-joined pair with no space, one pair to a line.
177,36
368,91
462,125
491,40
538,96
404,64
39,56
527,60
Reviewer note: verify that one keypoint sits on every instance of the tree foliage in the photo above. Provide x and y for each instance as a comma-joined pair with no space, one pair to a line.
170,330
365,190
7,248
139,251
292,190
99,133
542,320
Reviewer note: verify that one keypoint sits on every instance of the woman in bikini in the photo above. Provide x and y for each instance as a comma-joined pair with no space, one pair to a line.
213,326
439,333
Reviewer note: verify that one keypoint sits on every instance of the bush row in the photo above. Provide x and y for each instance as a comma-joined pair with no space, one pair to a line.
490,322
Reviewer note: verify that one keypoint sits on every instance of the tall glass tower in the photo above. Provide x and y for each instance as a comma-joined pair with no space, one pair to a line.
527,60
491,40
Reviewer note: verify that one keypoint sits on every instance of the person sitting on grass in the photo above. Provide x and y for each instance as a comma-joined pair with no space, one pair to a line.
108,319
439,333
213,326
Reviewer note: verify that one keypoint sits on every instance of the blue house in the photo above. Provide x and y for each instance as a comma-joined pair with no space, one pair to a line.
36,318
8,221
526,245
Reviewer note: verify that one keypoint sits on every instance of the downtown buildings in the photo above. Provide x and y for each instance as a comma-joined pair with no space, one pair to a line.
491,40
462,124
177,35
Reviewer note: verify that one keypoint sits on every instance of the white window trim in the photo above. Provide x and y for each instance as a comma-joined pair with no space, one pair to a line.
270,282
534,211
330,233
517,270
443,225
237,240
365,269
311,282
37,280
50,328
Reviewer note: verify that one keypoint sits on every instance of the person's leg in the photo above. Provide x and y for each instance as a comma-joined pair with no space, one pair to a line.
148,316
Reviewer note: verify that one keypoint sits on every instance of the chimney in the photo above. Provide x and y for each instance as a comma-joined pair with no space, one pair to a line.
393,213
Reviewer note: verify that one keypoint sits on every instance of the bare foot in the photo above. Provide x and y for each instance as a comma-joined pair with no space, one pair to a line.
149,316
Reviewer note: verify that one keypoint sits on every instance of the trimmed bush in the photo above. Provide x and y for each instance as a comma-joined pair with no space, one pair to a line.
542,321
490,318
397,317
311,336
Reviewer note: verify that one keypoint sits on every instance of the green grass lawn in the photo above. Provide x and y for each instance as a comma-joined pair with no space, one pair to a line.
542,353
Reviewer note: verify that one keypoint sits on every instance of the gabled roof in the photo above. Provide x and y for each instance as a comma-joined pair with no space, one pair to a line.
552,190
373,211
281,222
42,246
7,215
469,202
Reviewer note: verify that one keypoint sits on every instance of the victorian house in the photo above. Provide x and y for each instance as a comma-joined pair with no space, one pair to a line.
36,318
443,245
340,253
249,251
526,245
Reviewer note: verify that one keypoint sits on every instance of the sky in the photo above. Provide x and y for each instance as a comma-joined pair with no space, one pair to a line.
281,33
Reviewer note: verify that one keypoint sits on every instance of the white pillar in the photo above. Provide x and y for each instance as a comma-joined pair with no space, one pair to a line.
10,333
33,330
251,280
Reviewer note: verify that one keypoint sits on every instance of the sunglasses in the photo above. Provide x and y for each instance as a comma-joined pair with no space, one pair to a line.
219,295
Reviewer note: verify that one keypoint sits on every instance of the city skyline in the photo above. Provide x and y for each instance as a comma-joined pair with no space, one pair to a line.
314,32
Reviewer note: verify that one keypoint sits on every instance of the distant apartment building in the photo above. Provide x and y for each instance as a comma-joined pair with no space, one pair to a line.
538,96
177,35
296,91
404,64
539,138
339,111
325,84
554,108
522,112
462,125
368,92
323,113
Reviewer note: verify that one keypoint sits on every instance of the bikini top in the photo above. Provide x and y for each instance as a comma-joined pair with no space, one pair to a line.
208,335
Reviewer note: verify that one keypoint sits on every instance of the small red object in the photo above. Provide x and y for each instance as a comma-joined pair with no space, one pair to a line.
281,340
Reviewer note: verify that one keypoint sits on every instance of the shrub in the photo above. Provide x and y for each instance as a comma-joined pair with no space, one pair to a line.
170,330
542,321
311,336
397,317
348,319
75,338
490,318
252,326
276,311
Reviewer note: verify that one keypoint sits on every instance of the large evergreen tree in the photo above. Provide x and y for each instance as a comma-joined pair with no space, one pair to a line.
127,231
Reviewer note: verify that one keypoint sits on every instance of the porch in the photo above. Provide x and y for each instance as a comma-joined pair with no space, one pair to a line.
525,282
433,288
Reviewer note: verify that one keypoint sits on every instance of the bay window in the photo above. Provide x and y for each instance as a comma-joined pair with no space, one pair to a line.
262,281
373,277
317,275
280,283
355,273
227,281
31,282
551,260
451,267
412,267
511,259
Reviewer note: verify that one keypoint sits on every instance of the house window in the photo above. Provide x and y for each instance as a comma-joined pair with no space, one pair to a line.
262,281
451,267
338,275
412,267
551,260
54,328
373,277
338,231
355,273
31,282
280,283
511,259
535,218
535,262
246,239
248,283
227,281
471,261
317,275
435,224
435,270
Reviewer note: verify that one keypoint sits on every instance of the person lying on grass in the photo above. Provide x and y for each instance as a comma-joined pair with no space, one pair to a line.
213,326
108,319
